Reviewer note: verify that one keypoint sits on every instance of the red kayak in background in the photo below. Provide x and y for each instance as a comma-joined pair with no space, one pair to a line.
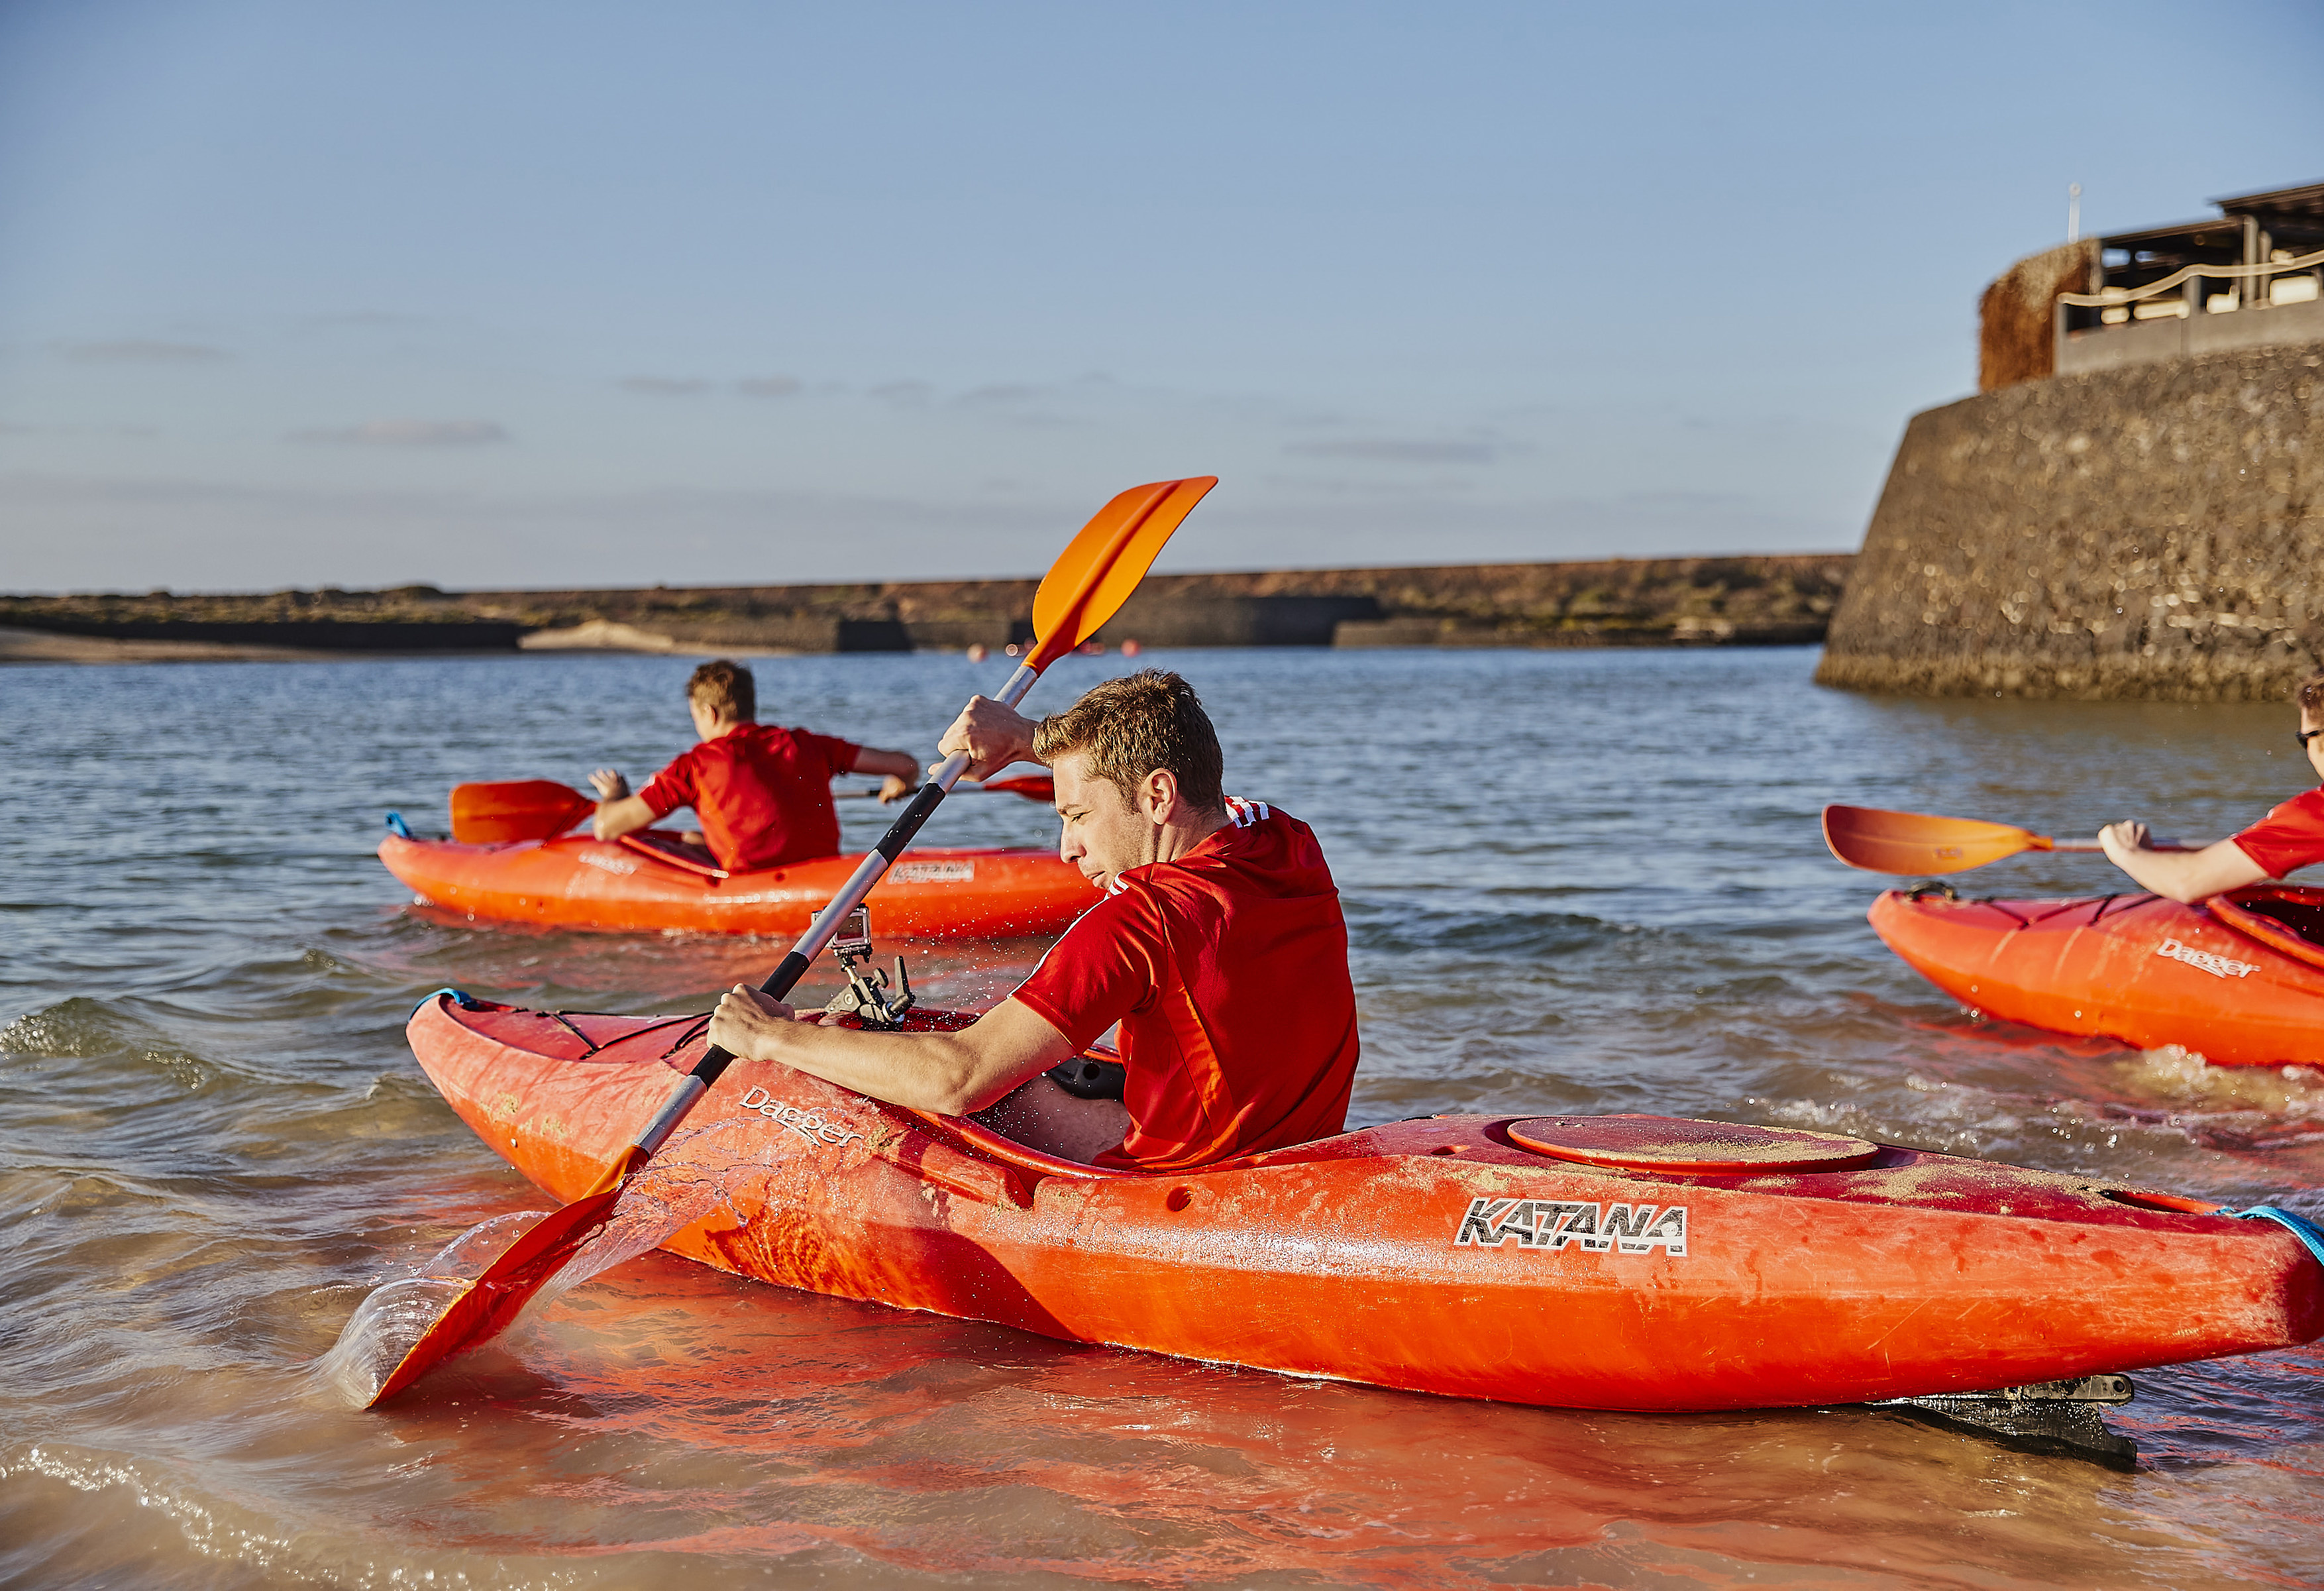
2239,980
1620,1262
650,882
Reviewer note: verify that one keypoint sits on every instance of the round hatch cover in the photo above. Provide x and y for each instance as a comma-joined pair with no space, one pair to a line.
1675,1144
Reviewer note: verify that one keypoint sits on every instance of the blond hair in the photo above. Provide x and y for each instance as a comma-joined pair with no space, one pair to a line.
726,688
1131,727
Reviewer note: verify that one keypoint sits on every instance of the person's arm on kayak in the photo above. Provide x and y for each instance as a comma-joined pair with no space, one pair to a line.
618,811
950,1074
898,770
2185,876
992,736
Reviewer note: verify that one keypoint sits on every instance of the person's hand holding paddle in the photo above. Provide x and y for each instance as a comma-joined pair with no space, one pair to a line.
2189,875
991,735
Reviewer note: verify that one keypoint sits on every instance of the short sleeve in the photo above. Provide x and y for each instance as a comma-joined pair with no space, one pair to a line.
671,789
1104,968
838,756
2288,838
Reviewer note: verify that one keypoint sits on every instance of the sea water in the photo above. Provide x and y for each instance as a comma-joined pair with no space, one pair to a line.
1585,881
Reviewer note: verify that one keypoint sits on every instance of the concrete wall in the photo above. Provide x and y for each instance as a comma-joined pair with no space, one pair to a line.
2150,532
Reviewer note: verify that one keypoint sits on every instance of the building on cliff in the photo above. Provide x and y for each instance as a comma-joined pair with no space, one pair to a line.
2133,504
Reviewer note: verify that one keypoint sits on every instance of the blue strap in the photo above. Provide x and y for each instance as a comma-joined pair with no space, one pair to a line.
397,826
460,997
2299,1225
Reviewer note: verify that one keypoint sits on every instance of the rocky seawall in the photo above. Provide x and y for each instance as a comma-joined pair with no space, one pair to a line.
2154,531
1763,600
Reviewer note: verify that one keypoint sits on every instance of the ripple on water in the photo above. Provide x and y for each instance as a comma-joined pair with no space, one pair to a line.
1559,900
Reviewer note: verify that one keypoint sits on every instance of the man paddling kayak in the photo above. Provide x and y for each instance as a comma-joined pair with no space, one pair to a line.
763,794
2289,838
1218,946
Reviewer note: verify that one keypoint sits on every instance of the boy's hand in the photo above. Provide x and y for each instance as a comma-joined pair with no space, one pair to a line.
2125,836
992,736
751,1025
610,785
895,789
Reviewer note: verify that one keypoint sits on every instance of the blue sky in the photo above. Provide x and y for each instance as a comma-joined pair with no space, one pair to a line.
547,294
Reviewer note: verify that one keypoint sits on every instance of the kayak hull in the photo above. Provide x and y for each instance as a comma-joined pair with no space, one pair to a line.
2140,969
575,881
1437,1255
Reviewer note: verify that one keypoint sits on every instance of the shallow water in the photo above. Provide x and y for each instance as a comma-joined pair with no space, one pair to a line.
1585,881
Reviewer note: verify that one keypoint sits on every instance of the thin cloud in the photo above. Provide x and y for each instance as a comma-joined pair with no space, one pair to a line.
142,351
766,387
903,395
666,386
1397,451
409,433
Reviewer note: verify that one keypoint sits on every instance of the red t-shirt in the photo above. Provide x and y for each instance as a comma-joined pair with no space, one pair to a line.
2291,836
763,794
1228,971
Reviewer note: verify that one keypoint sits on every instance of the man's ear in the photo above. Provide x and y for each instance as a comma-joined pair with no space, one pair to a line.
1157,797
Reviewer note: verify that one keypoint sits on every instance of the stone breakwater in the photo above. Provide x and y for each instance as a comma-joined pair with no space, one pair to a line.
2155,532
1764,600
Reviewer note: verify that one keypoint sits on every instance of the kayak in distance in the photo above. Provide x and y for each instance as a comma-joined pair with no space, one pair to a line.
2239,980
650,881
1618,1262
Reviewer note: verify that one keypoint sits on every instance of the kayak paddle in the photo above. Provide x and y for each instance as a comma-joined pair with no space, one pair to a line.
1880,841
1033,787
499,813
1085,587
496,814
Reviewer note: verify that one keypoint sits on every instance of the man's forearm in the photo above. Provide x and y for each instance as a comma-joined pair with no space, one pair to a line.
2189,877
951,1074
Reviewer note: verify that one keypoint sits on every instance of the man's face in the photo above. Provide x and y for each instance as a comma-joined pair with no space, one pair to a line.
1103,835
2307,723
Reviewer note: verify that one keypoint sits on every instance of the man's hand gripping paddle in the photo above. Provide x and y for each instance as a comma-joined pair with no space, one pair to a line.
1084,589
1913,843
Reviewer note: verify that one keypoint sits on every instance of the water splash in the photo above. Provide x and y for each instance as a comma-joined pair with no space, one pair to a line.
661,1200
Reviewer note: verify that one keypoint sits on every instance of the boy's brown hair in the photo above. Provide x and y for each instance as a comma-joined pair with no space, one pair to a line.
1131,727
2311,696
726,688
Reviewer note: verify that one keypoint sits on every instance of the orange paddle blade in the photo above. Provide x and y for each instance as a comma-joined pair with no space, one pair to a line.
483,1308
1096,575
514,810
1914,843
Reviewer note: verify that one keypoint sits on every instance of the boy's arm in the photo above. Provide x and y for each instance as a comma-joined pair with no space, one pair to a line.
950,1074
2185,876
899,770
616,818
618,811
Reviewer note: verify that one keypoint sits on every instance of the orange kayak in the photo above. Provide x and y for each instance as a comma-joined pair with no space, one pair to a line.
645,884
1637,1263
2238,979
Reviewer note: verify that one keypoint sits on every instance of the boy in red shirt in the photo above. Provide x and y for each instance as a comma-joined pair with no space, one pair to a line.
2291,836
763,794
1218,946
